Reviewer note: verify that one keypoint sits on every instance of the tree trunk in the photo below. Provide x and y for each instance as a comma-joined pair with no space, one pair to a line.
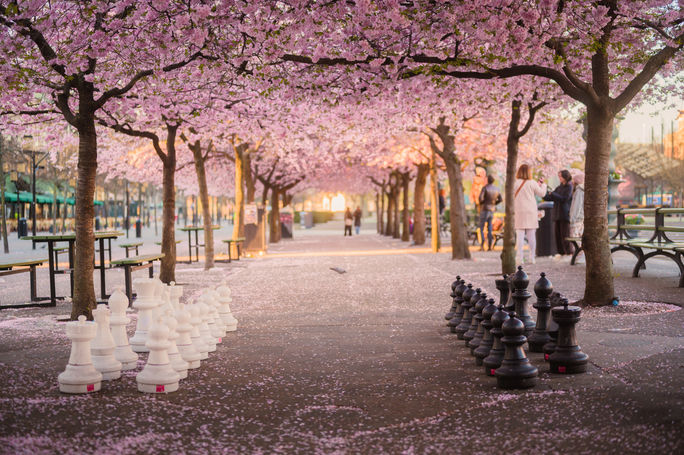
264,195
274,230
434,206
390,212
206,207
250,181
239,209
84,246
377,211
3,215
167,272
419,204
396,233
381,210
599,288
405,180
508,253
457,215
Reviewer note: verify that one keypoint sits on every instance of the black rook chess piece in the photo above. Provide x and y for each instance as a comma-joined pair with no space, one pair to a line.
542,289
496,354
503,287
470,333
450,313
509,304
520,297
458,313
516,371
477,321
568,357
463,326
487,340
552,330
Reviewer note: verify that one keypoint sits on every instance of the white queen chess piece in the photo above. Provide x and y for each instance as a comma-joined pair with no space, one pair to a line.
103,346
80,376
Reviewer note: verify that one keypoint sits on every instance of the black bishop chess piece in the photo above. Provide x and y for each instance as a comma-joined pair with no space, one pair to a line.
478,317
552,330
464,325
516,371
487,340
496,353
452,309
458,313
540,336
520,296
470,333
568,357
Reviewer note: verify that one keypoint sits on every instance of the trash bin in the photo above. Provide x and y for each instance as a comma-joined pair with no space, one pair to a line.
138,229
546,239
286,224
22,227
306,220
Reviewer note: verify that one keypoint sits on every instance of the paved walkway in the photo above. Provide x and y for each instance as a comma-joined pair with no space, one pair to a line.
359,362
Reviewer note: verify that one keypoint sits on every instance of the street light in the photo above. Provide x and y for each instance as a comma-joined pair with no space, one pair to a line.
29,148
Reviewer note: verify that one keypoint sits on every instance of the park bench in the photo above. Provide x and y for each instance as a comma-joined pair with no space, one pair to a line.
57,251
159,243
11,268
132,264
239,242
131,246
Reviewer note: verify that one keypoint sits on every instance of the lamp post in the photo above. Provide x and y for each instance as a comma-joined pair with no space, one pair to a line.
28,148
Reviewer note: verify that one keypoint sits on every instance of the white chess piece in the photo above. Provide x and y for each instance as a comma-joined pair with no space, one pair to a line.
224,297
212,301
184,343
177,362
158,376
118,302
197,340
205,330
146,305
176,292
103,346
215,330
80,376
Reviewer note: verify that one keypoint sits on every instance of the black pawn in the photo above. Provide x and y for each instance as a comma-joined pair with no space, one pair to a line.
450,313
464,325
478,317
496,354
470,333
487,340
520,297
516,371
568,357
503,287
543,290
552,330
458,314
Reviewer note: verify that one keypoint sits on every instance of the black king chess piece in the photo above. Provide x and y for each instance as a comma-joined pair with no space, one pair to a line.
474,309
487,340
464,325
452,309
520,297
539,337
516,371
496,354
568,357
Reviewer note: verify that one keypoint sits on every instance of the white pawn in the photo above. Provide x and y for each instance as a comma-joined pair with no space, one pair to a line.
214,329
80,376
145,304
184,343
176,292
118,302
177,362
225,299
158,298
213,302
197,340
103,346
205,330
158,376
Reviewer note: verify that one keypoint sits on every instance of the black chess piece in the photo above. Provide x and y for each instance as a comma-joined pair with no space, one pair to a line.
470,333
520,297
503,287
463,326
452,309
568,357
509,304
516,371
487,340
478,318
540,336
552,330
458,313
496,353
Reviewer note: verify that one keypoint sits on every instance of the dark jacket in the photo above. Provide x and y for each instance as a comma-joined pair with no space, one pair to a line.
357,217
490,196
562,198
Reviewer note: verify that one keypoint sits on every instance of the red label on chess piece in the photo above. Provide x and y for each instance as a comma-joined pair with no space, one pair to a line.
219,339
546,357
90,387
561,369
491,371
160,388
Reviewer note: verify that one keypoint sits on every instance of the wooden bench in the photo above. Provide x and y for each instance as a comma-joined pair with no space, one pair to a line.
239,242
11,268
131,246
132,264
159,243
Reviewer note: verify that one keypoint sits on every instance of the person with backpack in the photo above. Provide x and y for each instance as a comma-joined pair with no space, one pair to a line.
490,196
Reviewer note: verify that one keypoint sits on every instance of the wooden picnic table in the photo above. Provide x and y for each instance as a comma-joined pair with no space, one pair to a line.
70,238
197,245
26,265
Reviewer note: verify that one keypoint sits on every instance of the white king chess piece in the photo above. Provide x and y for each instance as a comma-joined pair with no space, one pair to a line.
224,298
146,304
80,375
103,346
118,302
158,376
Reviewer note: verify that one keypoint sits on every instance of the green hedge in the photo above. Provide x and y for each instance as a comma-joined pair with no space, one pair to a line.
318,217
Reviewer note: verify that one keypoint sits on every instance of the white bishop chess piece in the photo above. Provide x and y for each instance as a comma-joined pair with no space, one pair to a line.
158,376
184,343
103,346
224,298
118,302
80,376
146,305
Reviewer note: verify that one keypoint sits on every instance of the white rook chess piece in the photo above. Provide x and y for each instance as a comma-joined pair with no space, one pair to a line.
195,335
103,346
158,376
145,304
205,330
118,302
225,299
80,376
177,362
184,343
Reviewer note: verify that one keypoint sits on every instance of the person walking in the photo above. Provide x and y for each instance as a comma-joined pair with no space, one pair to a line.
357,220
577,206
526,219
561,197
348,221
489,197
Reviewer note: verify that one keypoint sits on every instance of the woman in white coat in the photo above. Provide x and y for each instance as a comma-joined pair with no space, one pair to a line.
526,220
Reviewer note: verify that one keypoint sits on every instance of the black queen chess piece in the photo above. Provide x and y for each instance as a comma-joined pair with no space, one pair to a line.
540,336
487,341
464,325
458,313
520,297
496,353
568,357
516,371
